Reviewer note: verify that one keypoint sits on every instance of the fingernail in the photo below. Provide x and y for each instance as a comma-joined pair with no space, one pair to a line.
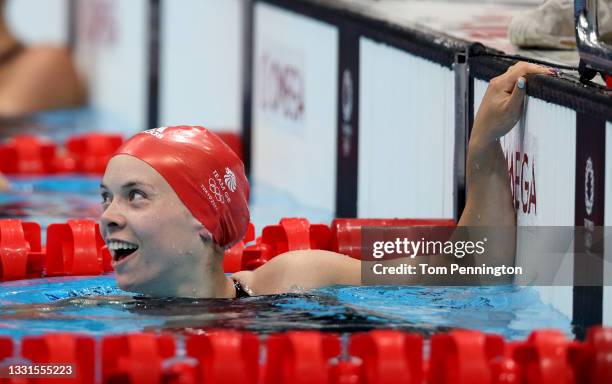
553,71
521,83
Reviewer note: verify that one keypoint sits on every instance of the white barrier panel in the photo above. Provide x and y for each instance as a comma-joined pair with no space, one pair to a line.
480,87
112,48
545,145
541,156
533,151
201,63
406,135
607,293
547,174
295,105
548,166
35,21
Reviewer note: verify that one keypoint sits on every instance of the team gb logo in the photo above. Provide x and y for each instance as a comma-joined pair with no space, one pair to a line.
230,179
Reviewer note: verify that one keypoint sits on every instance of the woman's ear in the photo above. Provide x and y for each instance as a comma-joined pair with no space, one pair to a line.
207,238
205,235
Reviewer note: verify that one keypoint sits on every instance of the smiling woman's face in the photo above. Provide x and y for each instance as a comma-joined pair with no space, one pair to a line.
152,236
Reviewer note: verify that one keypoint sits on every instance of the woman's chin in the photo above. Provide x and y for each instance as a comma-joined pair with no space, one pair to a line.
147,289
127,284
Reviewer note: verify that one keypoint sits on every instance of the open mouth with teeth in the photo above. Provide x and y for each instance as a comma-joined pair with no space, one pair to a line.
121,249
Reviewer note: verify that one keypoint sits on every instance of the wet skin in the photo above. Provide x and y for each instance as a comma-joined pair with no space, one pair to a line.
172,259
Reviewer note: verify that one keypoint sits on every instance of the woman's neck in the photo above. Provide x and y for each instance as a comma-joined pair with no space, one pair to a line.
213,283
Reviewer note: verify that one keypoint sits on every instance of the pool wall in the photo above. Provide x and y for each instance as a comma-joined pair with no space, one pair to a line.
294,106
368,112
405,100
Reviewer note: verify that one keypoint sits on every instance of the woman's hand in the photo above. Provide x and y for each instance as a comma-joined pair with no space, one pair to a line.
4,184
502,104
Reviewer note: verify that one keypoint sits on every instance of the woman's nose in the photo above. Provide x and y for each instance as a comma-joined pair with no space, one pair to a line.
112,218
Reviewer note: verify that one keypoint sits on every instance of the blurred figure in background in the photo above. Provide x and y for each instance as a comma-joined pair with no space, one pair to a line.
551,25
35,78
4,184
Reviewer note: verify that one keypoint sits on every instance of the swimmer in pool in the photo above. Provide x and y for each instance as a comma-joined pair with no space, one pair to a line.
34,78
175,198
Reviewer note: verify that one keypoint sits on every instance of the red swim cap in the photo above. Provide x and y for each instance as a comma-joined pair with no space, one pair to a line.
204,172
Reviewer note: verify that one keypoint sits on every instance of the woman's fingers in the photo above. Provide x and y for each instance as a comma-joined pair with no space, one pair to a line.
522,69
517,97
503,102
517,89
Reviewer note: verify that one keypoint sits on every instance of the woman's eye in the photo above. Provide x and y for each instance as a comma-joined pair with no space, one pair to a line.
136,195
105,198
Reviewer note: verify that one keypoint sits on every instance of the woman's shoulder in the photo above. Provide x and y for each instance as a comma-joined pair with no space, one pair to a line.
40,77
47,59
297,271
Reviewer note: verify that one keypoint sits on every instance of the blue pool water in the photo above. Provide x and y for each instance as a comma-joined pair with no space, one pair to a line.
44,305
58,304
95,305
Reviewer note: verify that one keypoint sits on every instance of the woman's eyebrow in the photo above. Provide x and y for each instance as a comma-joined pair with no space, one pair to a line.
133,184
130,184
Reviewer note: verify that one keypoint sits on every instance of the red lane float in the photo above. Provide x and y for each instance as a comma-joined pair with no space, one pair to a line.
296,233
505,370
91,152
232,259
543,358
226,356
347,372
300,357
256,255
86,153
62,349
290,234
464,357
599,342
20,249
80,239
6,347
135,358
32,155
592,360
346,233
375,357
27,155
181,372
389,357
76,248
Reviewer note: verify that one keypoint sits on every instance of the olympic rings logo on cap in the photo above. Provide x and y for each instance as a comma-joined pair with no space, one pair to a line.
212,185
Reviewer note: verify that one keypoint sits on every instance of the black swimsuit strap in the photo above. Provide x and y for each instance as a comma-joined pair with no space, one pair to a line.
240,292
